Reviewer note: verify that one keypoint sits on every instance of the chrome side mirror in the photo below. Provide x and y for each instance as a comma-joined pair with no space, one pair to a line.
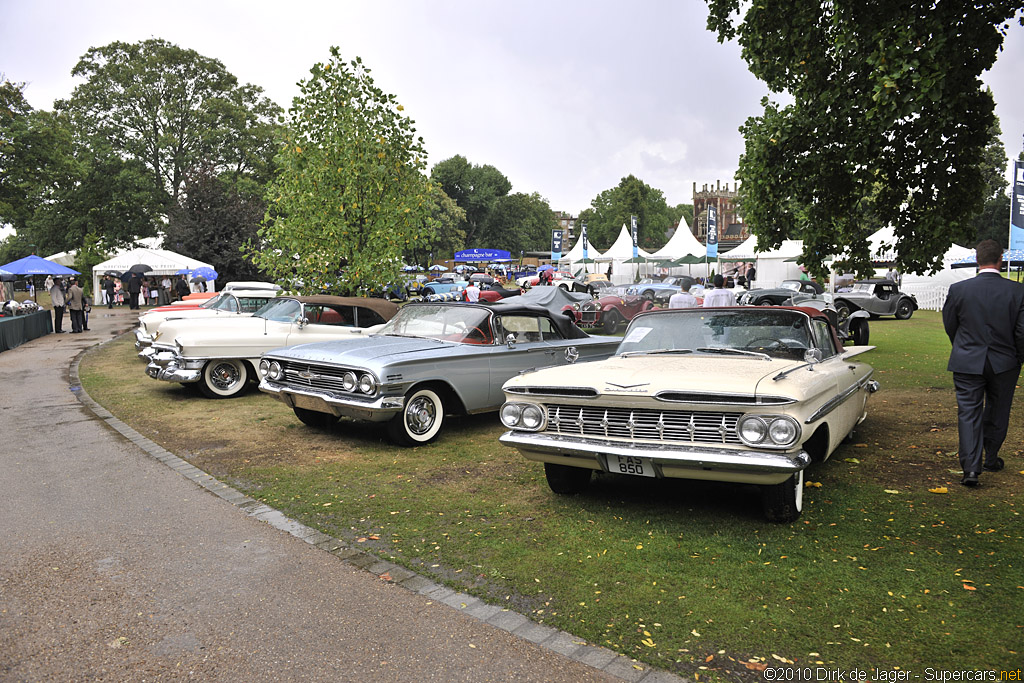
302,322
813,356
510,340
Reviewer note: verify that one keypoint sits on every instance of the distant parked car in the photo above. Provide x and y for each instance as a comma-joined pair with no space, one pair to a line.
610,312
229,304
877,297
784,293
657,290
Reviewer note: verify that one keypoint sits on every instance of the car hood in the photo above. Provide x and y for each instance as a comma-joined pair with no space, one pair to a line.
233,325
649,375
374,349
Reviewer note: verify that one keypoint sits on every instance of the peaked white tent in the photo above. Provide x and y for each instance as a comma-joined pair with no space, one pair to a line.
773,266
569,261
620,252
682,243
162,262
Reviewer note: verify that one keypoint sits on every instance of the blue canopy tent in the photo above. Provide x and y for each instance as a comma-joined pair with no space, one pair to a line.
36,265
1011,257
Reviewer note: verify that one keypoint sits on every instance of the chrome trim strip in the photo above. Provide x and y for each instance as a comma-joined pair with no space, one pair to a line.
836,401
377,409
728,399
733,460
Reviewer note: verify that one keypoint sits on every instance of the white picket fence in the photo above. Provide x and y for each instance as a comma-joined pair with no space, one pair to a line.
929,297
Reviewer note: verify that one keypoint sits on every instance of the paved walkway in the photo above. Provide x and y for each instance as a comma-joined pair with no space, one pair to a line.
119,561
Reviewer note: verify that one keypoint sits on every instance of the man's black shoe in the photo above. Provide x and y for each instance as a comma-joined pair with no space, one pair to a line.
994,466
970,479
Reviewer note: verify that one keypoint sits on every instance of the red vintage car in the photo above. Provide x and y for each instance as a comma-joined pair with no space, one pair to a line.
610,312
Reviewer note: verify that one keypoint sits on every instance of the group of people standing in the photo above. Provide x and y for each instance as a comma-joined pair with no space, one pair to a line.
717,295
72,298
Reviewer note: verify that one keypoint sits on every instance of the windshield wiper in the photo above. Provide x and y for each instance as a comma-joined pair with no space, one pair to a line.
653,352
731,352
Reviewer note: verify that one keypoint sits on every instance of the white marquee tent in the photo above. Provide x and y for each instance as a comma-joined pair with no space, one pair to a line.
571,261
618,254
162,261
682,243
773,266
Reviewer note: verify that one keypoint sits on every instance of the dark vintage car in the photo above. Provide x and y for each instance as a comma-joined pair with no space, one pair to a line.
742,394
781,295
877,297
429,361
610,312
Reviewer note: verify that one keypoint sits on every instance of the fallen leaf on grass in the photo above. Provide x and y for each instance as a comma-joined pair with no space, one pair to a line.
815,484
939,489
755,666
892,491
969,588
855,461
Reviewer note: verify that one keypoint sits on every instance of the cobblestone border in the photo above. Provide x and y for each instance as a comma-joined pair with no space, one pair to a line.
562,642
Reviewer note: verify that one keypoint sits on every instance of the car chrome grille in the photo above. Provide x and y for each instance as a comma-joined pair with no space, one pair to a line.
308,376
686,426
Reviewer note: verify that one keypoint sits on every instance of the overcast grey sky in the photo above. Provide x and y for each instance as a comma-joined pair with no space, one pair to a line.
565,98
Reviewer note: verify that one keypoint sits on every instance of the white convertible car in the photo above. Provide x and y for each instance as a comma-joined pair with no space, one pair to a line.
743,394
230,303
221,356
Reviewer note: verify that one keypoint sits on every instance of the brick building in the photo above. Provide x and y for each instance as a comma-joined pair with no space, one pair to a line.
731,229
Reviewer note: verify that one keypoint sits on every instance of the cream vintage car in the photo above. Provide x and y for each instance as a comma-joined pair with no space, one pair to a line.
740,394
230,303
221,356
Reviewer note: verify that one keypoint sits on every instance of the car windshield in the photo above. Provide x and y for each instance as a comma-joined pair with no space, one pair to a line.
758,332
225,302
212,301
458,323
791,285
280,311
865,287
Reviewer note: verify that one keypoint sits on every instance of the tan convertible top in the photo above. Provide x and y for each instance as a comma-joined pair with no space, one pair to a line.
382,307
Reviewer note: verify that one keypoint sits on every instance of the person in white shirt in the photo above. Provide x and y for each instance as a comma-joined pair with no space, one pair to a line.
683,298
719,296
472,292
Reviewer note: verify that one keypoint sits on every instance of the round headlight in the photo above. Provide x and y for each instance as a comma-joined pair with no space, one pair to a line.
782,431
753,430
367,384
275,371
348,381
510,414
575,307
532,417
264,367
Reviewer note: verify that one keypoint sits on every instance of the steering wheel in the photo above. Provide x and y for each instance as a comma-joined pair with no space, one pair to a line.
772,343
477,335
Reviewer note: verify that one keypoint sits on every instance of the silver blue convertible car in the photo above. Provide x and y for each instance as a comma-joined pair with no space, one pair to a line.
430,360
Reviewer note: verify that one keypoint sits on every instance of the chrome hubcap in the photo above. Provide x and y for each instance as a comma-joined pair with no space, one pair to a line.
420,415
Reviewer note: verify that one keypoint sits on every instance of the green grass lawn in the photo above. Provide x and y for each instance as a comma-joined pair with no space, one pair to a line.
893,563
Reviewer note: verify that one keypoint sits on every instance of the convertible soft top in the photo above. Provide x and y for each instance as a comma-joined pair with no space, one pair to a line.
516,306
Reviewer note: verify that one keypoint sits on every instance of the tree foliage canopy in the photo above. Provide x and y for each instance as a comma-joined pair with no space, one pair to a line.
520,222
211,222
172,109
351,197
476,189
612,208
889,119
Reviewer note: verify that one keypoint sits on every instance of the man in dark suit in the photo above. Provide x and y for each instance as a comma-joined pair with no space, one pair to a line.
984,319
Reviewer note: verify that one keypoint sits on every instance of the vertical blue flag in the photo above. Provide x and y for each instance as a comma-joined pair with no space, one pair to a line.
583,238
632,223
1017,206
712,232
556,245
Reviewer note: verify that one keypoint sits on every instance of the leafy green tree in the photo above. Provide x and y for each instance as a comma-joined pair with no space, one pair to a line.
888,107
520,222
683,212
993,221
475,189
172,109
442,235
212,223
612,208
35,154
103,195
351,197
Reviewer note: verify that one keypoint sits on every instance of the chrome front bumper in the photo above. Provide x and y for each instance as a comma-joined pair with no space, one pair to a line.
142,340
167,366
670,461
378,410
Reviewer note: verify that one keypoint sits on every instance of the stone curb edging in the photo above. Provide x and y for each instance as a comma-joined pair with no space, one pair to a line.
562,642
